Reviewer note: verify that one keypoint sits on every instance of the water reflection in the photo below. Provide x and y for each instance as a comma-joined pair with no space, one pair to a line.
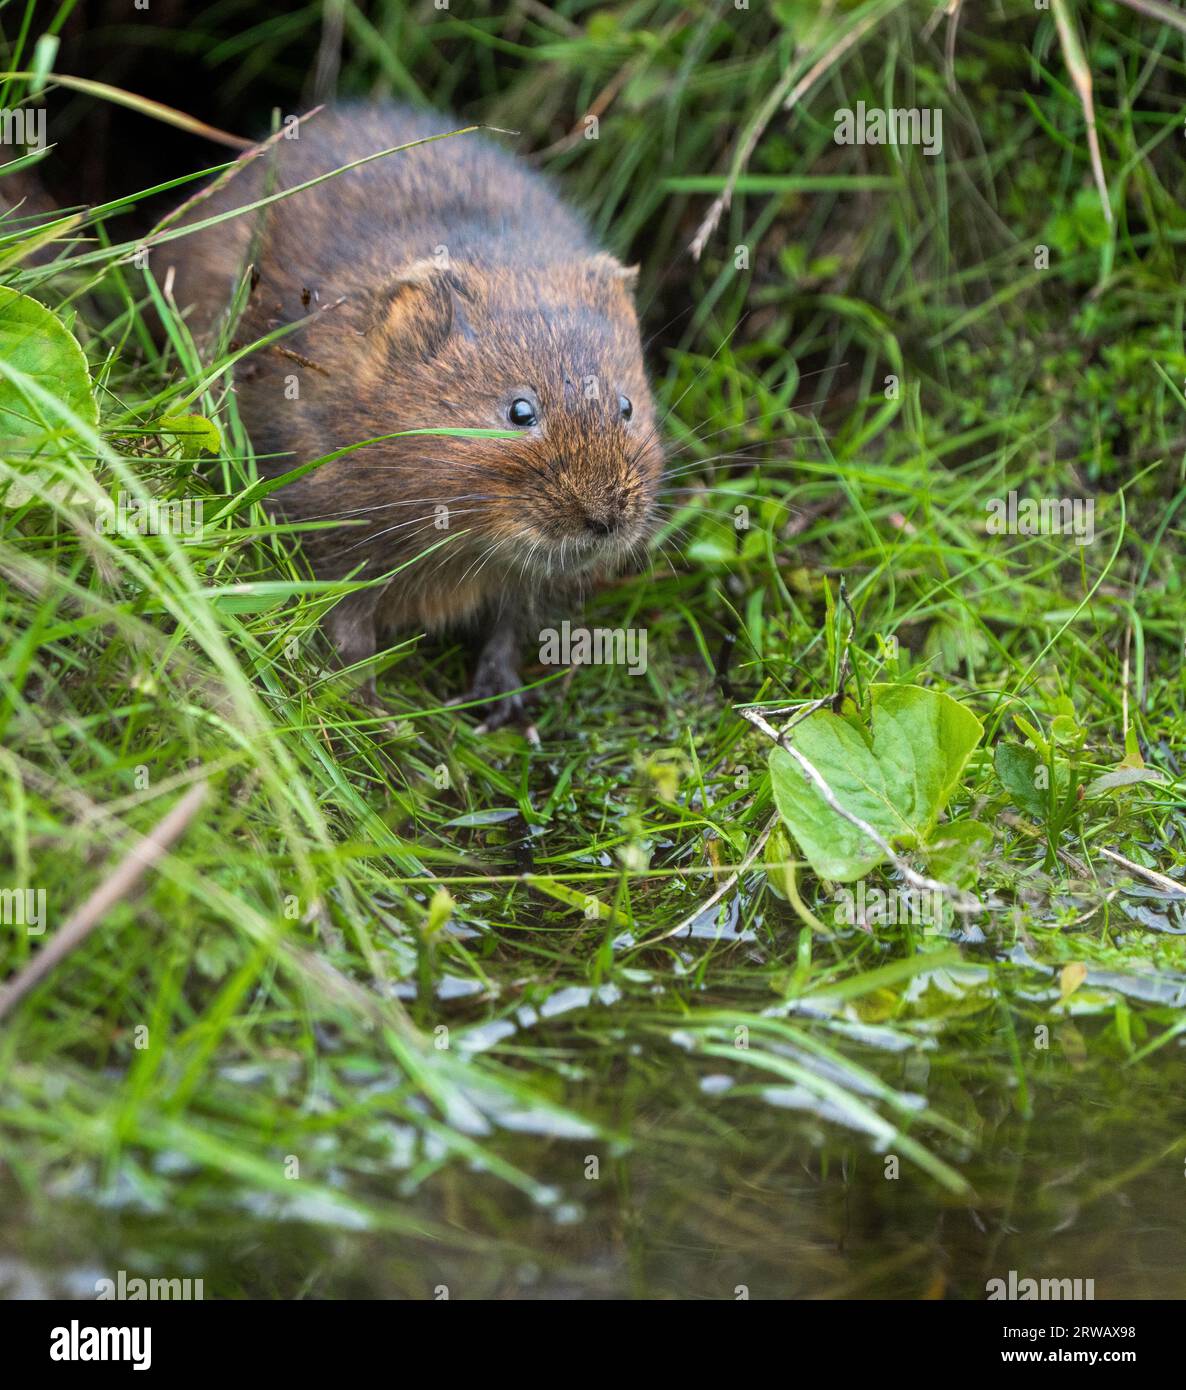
729,1188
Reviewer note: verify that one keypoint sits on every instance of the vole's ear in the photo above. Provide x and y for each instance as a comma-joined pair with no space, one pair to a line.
421,307
608,269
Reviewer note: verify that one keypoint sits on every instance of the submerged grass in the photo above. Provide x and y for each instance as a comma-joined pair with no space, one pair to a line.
389,946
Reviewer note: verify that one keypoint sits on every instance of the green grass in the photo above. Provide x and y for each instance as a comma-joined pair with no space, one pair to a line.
308,988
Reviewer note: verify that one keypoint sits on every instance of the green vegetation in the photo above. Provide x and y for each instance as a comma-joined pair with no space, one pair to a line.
436,973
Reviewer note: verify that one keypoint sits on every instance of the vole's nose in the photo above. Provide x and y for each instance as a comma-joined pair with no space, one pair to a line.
607,517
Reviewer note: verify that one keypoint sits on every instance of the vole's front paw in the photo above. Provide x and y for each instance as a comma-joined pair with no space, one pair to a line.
496,680
496,685
492,687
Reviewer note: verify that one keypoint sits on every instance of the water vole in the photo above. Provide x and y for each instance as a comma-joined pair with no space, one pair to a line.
443,286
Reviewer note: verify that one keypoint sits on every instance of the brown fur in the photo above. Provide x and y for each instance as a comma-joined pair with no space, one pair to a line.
401,335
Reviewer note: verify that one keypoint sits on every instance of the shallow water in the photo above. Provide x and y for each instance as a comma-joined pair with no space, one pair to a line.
727,1187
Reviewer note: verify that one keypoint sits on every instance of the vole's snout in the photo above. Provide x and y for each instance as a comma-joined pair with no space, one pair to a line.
590,517
609,516
602,525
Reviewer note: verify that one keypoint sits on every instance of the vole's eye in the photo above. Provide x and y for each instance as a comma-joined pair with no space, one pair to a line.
626,407
521,413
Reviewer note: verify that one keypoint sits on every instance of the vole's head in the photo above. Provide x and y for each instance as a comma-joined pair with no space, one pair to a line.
552,356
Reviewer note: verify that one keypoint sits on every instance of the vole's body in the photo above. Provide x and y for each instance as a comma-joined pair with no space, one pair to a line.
439,287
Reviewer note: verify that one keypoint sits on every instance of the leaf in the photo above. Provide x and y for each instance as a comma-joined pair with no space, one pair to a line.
1070,978
196,433
440,911
1122,777
1132,750
495,815
45,50
780,870
898,776
956,851
1066,731
1034,736
588,903
35,342
710,551
260,595
1017,767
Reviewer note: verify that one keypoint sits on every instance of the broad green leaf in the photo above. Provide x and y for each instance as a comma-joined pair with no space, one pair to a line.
1067,732
1018,769
195,432
37,343
955,851
898,778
